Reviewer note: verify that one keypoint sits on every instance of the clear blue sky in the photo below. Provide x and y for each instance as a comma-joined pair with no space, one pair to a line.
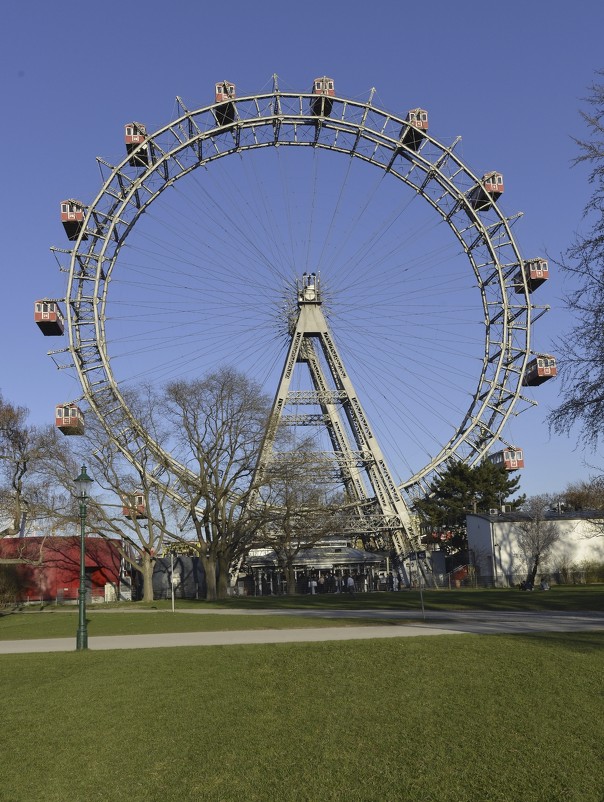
508,78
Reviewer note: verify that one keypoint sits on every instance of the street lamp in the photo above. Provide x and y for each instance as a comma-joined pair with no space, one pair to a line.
82,482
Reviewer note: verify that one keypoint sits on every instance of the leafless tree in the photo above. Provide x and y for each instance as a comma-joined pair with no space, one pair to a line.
218,425
301,507
536,535
581,350
587,497
141,529
23,497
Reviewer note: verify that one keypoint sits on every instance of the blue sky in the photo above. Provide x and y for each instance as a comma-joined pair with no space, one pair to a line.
509,78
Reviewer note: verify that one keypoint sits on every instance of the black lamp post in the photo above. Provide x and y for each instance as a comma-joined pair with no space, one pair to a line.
82,482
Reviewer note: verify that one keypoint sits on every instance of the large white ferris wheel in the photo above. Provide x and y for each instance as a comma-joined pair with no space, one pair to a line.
337,253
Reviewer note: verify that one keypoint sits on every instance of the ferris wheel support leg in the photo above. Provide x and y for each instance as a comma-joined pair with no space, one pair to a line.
234,571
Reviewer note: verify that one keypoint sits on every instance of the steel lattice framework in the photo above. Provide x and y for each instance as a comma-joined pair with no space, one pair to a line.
360,130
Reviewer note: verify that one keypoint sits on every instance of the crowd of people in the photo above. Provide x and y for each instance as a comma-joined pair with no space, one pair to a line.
325,581
350,582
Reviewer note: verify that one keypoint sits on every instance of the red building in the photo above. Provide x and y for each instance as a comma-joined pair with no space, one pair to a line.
50,567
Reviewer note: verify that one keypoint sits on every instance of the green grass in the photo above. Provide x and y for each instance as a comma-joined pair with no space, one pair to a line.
560,597
61,624
53,621
447,719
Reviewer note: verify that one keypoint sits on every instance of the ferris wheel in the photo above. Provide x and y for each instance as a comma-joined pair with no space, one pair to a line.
190,255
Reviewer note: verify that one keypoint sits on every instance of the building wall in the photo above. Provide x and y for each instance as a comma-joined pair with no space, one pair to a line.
50,567
189,578
493,543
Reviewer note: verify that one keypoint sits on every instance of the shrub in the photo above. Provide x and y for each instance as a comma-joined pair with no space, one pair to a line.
594,571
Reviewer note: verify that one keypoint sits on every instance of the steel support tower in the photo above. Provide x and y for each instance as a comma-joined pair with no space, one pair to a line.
377,507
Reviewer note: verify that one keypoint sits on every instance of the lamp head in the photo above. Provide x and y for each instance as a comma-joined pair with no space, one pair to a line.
83,482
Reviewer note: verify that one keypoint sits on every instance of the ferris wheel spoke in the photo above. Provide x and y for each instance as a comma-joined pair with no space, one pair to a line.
190,261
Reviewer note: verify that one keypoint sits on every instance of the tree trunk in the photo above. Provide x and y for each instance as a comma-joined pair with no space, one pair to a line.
290,575
209,566
147,572
223,577
533,571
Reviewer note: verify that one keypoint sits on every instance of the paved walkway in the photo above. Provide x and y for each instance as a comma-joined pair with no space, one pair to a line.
412,624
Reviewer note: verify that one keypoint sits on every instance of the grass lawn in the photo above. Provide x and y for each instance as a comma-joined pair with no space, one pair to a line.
63,624
560,597
483,718
53,621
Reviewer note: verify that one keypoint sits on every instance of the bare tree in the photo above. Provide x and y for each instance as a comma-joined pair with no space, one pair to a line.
536,534
585,495
218,424
23,496
19,447
587,499
126,506
581,350
300,506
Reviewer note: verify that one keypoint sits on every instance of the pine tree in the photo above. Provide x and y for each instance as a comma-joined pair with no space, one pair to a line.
460,490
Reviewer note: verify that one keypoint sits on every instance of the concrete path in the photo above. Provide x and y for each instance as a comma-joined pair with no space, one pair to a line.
412,624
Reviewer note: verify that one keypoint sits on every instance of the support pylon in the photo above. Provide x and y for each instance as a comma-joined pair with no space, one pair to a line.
360,462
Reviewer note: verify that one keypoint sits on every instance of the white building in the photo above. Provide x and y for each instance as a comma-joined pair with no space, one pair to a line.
493,543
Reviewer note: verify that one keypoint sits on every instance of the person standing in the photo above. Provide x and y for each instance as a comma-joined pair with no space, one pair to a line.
350,585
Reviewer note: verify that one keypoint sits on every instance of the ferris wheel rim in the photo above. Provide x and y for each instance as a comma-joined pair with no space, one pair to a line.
113,214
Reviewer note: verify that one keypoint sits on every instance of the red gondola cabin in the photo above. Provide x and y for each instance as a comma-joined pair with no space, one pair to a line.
48,316
539,370
134,136
536,271
484,194
511,458
225,91
323,89
412,133
72,217
225,95
69,419
134,506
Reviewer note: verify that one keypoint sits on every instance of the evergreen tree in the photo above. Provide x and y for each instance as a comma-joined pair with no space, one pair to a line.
462,489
